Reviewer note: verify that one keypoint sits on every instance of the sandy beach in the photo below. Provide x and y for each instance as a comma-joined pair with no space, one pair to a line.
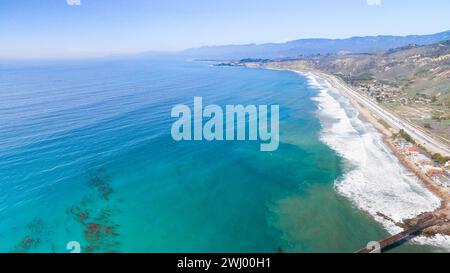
441,214
371,117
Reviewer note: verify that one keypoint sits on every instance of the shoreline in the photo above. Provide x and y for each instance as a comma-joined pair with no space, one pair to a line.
441,213
373,119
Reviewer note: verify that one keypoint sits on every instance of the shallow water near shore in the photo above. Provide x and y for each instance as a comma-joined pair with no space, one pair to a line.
86,155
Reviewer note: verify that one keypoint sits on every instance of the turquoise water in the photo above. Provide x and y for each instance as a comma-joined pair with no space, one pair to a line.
86,155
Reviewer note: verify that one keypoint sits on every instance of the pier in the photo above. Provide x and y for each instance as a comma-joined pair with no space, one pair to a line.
403,236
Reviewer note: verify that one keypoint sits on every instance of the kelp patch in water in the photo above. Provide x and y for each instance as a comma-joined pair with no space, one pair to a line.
94,213
33,239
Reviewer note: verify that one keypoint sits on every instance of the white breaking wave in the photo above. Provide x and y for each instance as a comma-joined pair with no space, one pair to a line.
375,181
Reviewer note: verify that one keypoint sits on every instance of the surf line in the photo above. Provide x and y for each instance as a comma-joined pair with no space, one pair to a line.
190,126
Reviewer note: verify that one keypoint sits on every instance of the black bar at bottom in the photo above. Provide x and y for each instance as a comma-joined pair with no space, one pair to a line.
181,262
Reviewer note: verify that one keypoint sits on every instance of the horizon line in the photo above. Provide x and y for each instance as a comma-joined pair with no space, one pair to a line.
172,52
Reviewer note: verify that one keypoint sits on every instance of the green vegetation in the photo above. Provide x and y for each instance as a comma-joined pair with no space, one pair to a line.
425,151
406,136
439,158
423,71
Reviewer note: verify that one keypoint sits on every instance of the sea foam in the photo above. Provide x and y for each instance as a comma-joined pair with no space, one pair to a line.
374,180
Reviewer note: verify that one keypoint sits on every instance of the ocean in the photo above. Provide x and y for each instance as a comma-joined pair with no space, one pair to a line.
86,156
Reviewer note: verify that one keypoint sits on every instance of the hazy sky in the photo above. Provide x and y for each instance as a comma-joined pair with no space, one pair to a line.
53,28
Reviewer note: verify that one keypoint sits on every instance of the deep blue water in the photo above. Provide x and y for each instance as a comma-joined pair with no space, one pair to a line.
86,155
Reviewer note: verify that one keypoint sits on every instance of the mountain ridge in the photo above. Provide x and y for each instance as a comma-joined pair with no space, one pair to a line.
313,46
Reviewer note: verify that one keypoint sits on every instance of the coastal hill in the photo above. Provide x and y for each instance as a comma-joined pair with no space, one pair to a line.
308,47
413,81
421,73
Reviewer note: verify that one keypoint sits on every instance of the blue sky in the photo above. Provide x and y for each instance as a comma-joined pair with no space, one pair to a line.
52,28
